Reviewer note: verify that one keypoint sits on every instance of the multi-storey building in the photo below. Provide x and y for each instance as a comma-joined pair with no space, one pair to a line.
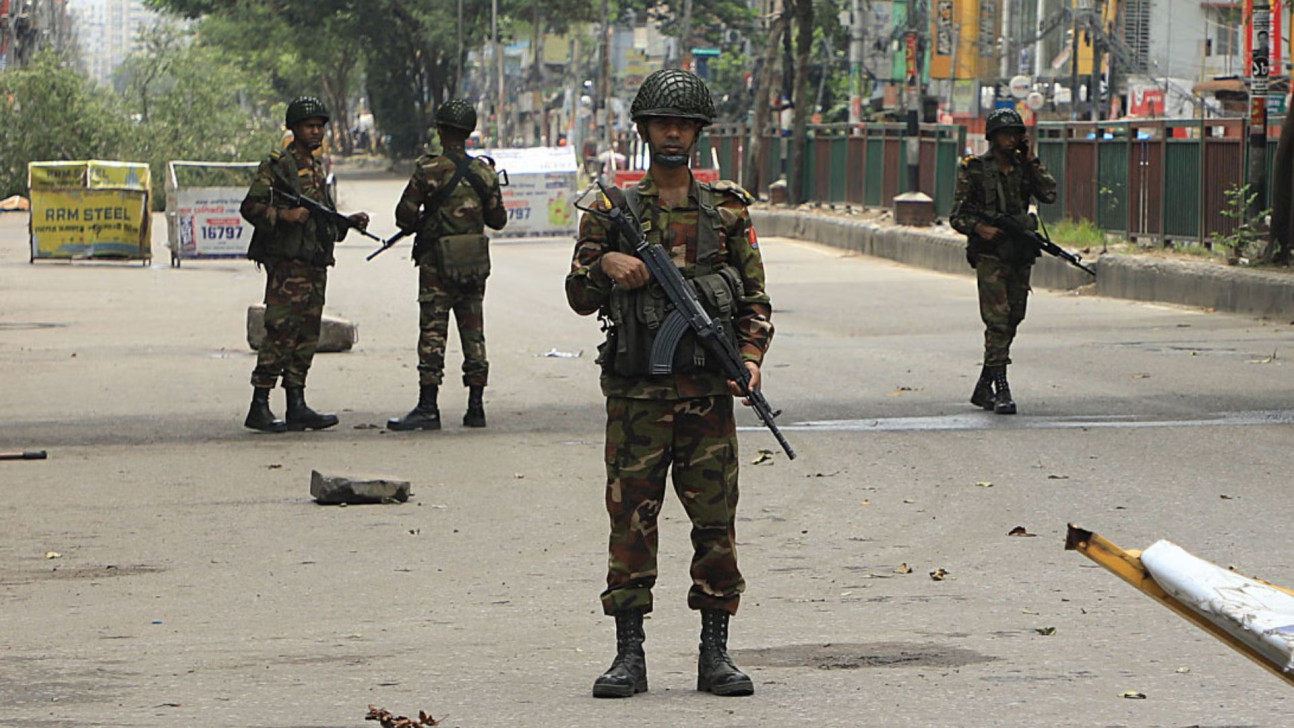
108,31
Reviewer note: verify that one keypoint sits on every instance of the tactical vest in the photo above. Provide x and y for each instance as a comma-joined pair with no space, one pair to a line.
995,203
462,257
312,242
633,317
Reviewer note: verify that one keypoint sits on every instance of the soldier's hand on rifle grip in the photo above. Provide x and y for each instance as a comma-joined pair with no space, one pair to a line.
295,214
626,270
753,368
359,220
986,231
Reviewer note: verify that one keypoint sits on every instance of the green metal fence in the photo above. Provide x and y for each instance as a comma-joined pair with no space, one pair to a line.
1162,180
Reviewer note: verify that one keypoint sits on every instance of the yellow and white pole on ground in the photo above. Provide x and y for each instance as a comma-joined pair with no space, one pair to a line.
1127,566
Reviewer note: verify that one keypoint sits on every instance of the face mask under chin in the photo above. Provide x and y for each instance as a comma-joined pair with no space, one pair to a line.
670,160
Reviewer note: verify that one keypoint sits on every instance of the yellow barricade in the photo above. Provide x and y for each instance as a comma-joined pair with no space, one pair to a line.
87,209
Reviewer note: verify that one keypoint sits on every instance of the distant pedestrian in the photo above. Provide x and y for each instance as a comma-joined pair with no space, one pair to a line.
295,248
1002,181
449,200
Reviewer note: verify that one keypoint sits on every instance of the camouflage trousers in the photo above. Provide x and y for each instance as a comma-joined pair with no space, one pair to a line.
695,439
1003,295
294,301
437,296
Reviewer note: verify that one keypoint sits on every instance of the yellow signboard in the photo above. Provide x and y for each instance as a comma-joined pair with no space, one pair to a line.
119,176
962,36
56,175
87,223
91,208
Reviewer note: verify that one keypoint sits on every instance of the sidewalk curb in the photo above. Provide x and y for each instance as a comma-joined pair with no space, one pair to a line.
1138,278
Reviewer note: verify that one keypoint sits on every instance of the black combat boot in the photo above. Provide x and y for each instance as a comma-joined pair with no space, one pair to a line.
715,672
1002,402
475,416
301,417
259,417
424,416
627,675
983,394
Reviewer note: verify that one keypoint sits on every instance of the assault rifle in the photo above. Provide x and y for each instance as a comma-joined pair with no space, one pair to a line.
1024,236
391,241
687,315
318,208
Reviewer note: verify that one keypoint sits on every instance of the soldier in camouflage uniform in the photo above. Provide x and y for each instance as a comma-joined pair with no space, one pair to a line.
295,248
449,201
1000,182
680,423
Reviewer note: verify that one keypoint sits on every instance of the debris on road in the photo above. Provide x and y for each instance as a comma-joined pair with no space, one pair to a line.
24,455
389,720
345,489
1020,531
939,574
555,354
1251,616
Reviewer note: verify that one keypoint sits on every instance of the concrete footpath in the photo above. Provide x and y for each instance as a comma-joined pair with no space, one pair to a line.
1135,277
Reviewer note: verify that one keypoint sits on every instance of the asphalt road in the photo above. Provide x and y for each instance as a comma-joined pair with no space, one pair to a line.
196,583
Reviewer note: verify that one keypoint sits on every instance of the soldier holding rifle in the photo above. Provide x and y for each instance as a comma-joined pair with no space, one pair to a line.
1000,183
680,422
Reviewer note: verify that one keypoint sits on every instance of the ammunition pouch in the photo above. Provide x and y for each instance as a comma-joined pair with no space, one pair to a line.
463,259
635,320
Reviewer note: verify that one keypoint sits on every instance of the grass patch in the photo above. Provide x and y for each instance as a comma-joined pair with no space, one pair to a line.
1077,234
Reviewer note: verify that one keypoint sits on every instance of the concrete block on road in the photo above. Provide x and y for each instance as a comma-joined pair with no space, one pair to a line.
330,489
336,334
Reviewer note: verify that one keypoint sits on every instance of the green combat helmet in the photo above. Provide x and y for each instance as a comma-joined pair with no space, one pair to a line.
305,107
673,92
1003,119
457,114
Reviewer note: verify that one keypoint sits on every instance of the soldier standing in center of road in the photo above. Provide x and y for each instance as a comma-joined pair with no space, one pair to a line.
296,249
449,201
1000,182
683,422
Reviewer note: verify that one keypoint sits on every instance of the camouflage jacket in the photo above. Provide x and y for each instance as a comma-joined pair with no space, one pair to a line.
984,191
588,288
462,212
273,240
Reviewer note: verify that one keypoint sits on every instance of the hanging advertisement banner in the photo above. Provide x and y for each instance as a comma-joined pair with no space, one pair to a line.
88,223
541,190
204,220
85,209
943,35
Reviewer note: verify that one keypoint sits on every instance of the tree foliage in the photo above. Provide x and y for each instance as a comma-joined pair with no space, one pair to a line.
51,112
190,101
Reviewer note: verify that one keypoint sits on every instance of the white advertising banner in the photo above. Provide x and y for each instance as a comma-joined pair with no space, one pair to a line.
541,190
208,222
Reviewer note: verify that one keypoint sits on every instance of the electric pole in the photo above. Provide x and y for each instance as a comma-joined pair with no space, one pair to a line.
855,62
499,126
458,60
685,38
